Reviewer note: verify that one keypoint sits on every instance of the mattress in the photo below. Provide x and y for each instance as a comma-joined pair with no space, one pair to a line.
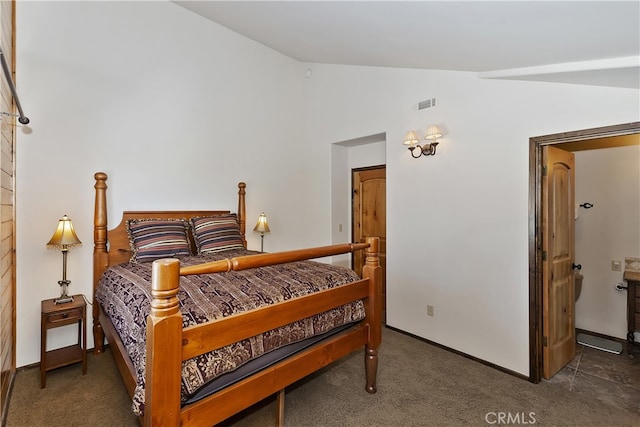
124,292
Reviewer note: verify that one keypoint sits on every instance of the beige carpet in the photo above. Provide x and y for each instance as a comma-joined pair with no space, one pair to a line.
418,385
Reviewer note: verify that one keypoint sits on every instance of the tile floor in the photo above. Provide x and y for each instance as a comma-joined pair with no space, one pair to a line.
608,377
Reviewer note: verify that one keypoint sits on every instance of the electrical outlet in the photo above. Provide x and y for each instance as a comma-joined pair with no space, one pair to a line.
430,310
616,265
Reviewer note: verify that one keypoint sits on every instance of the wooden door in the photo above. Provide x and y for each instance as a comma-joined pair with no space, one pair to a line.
558,205
370,216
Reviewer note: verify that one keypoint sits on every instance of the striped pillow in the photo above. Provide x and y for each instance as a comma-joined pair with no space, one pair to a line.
216,233
153,239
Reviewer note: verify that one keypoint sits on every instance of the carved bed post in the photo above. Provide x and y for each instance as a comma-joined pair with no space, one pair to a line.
100,255
242,214
164,346
373,306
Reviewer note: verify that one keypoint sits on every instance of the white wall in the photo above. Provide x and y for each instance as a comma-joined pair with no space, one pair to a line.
174,108
610,230
457,223
163,100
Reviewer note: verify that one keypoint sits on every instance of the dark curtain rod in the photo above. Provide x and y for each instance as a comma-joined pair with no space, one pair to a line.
21,118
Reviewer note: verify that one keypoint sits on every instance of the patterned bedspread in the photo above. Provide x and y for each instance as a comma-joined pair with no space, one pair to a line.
125,294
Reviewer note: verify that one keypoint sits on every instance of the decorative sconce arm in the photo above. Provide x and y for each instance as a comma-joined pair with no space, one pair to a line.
424,150
413,151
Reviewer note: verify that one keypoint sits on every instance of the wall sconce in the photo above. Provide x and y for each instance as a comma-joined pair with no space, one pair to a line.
428,149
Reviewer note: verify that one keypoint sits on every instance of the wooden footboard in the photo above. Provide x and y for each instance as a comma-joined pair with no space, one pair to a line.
168,344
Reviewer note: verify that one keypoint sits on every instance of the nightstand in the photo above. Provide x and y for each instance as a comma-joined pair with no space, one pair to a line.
633,307
53,316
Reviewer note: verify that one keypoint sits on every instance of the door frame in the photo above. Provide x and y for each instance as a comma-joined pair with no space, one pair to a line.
535,227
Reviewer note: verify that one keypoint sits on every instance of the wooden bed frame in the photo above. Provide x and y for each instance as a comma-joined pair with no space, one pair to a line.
168,344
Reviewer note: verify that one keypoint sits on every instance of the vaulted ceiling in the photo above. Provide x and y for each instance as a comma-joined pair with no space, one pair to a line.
581,42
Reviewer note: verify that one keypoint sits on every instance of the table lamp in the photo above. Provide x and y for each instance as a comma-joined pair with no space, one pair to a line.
64,238
262,227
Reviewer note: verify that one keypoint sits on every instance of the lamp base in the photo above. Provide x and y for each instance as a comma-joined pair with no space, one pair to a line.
63,299
64,285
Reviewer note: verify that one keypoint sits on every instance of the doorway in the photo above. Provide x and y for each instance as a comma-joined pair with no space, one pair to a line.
536,305
369,216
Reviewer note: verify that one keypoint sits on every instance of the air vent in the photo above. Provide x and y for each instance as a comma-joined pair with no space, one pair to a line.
431,102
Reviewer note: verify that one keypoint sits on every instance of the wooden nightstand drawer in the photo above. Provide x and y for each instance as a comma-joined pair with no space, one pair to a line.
70,316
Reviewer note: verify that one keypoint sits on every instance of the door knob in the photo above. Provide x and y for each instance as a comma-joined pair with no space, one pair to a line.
575,266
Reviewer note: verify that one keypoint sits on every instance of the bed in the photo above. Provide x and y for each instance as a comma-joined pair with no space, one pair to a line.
171,343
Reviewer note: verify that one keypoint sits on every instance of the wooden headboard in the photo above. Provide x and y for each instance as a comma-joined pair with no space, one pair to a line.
112,247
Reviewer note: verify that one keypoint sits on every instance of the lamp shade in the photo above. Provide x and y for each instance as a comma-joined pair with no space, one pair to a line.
262,226
65,236
410,138
433,132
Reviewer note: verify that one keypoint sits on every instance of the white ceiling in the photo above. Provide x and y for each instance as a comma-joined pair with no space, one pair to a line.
582,42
